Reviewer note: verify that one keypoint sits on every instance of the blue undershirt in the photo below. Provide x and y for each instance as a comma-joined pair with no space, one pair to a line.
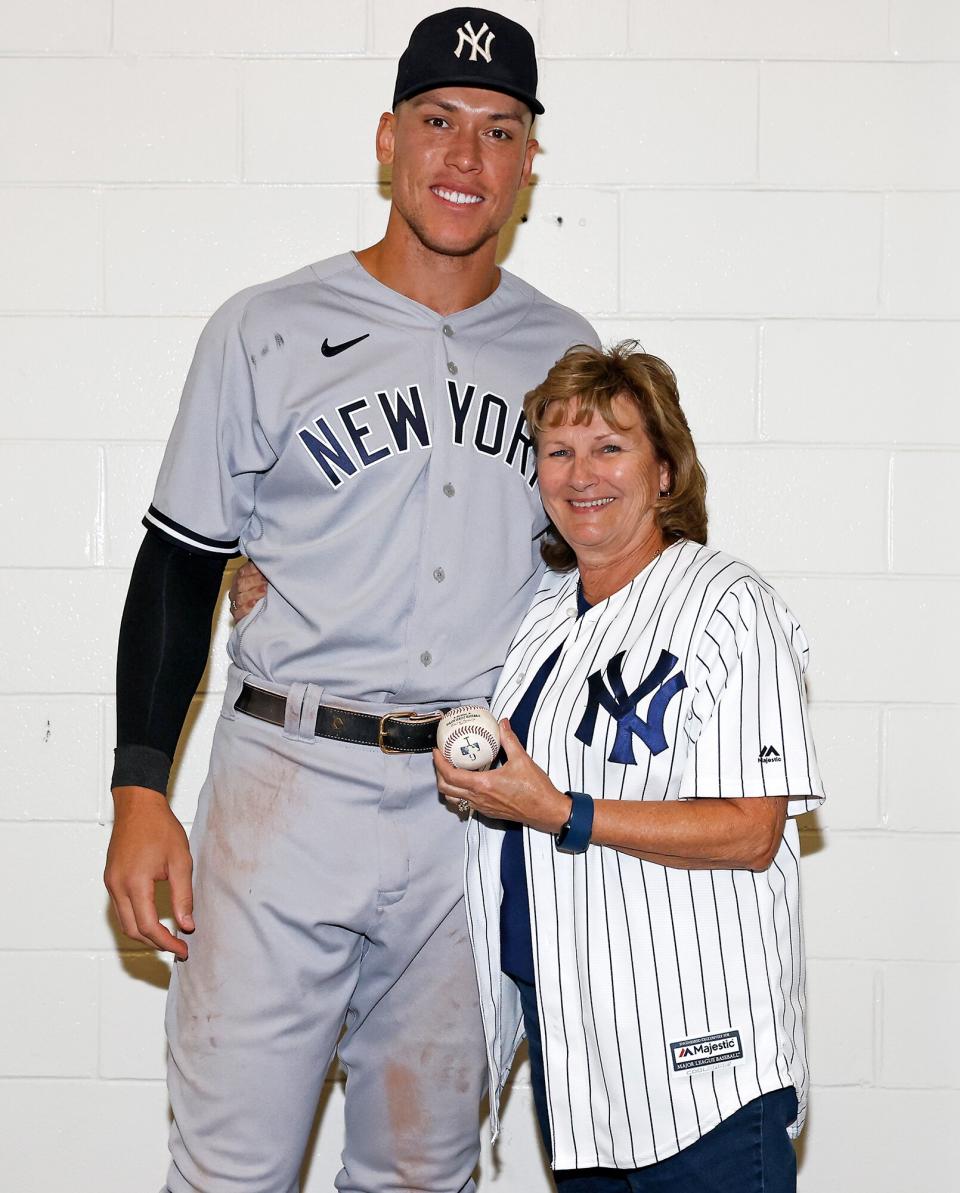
516,942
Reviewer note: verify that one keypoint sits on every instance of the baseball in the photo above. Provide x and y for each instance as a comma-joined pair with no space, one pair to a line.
469,737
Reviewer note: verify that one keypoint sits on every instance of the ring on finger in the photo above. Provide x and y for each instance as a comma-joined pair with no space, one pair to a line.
463,807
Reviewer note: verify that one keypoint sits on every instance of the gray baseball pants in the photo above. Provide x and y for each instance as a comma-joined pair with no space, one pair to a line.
328,897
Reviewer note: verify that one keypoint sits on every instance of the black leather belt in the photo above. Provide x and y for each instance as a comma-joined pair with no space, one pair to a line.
395,733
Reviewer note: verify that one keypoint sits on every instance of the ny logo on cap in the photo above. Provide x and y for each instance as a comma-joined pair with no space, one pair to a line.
468,37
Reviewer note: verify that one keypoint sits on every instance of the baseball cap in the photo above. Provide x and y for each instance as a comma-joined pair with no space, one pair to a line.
469,47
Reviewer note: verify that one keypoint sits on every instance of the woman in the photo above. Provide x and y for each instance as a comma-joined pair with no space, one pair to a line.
644,925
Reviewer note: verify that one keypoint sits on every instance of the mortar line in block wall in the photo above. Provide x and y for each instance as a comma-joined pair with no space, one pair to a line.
881,270
878,991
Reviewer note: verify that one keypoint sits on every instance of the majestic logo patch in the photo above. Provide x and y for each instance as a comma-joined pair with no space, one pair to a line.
468,37
769,754
721,1049
335,349
623,707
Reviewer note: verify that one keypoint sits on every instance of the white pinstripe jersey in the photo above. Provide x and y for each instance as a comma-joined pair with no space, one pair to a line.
668,998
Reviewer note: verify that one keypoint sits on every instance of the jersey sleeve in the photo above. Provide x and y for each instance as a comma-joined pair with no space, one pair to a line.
748,727
205,491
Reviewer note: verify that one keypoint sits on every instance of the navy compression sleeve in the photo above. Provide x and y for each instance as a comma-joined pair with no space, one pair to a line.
163,648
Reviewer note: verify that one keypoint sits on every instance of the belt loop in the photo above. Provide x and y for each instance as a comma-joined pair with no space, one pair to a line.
300,720
235,677
292,720
308,712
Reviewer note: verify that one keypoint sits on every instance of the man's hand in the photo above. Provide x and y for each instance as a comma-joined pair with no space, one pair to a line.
518,790
247,588
148,845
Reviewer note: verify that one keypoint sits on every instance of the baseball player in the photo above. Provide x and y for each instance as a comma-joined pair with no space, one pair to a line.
356,429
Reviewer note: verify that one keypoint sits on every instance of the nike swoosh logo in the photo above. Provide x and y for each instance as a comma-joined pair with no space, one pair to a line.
336,349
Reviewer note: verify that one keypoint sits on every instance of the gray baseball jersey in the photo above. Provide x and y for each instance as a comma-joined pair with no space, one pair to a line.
371,457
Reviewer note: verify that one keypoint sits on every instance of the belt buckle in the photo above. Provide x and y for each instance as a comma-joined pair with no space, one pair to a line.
406,714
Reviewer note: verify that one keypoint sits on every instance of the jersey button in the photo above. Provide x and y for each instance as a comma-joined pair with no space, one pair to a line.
447,329
453,368
439,575
426,658
448,490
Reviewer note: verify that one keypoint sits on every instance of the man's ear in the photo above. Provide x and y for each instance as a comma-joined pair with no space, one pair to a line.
531,151
386,137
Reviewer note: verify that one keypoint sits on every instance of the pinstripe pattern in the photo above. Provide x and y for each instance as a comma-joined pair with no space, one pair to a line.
630,956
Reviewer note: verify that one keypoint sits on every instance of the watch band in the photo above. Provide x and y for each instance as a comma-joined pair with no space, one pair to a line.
574,837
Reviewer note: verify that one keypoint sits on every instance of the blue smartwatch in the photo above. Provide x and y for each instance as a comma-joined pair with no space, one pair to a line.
574,837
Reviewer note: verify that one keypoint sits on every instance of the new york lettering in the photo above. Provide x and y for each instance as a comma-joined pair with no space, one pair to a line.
360,434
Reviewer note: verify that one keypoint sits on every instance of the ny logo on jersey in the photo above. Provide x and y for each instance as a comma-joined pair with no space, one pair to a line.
623,707
468,37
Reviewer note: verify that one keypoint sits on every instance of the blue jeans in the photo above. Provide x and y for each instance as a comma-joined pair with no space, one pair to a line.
749,1152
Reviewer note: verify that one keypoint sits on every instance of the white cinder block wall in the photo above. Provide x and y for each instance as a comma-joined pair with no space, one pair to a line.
766,193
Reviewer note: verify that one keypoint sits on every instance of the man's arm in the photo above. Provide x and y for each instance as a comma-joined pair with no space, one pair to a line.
164,642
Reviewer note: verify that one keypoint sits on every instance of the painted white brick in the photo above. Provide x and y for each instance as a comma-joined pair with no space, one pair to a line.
919,791
49,1022
296,127
688,122
812,516
224,27
133,988
327,1140
57,27
94,378
215,677
840,1022
883,897
881,1140
51,882
847,739
185,251
925,29
741,252
861,644
573,28
108,1136
517,1161
193,756
50,761
858,125
567,247
52,262
759,29
118,120
392,21
716,367
59,629
919,1011
860,382
374,204
921,482
50,504
922,247
131,473
189,765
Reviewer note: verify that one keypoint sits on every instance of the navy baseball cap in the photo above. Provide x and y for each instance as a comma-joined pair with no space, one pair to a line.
469,47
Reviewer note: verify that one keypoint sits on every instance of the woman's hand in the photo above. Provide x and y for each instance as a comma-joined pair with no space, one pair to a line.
519,790
247,588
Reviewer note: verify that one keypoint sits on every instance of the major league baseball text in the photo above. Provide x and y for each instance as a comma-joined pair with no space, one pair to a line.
469,737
